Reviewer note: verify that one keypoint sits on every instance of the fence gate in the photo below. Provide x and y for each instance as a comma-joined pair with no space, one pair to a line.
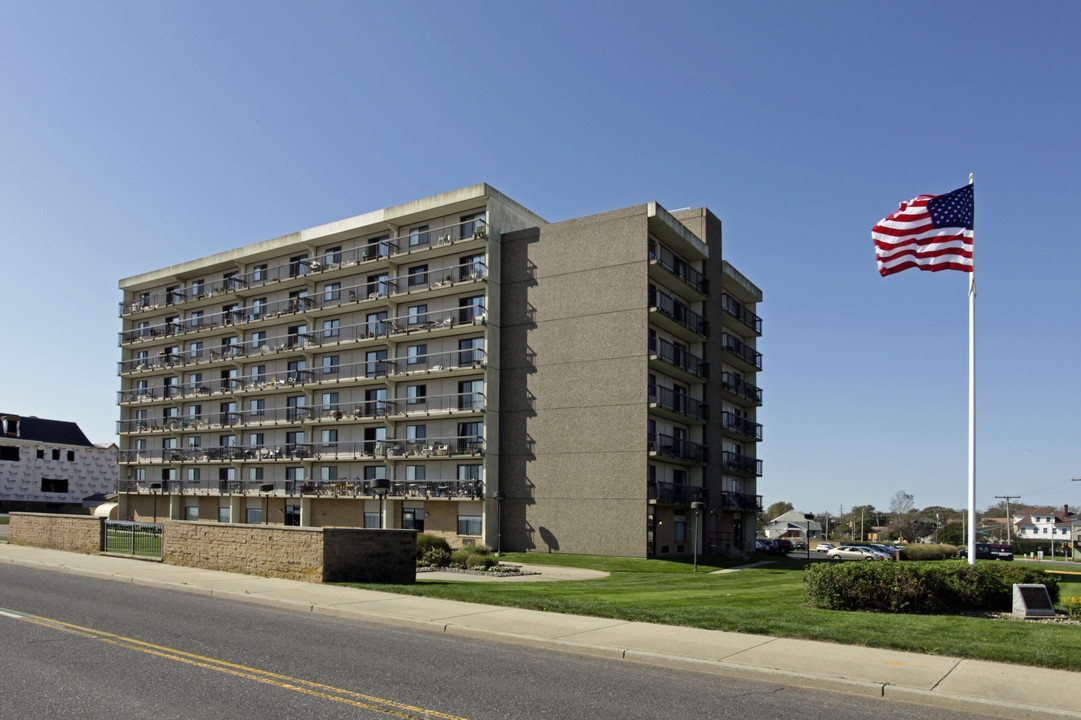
133,538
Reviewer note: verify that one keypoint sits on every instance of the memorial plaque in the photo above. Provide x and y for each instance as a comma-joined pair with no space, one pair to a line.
1032,601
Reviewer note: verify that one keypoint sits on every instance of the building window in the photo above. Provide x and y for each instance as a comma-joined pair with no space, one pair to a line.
53,485
416,394
223,515
71,453
418,276
332,256
298,265
331,328
259,273
56,454
415,473
418,314
371,520
469,524
292,515
412,519
332,292
191,513
254,516
416,354
328,473
470,309
330,365
10,453
330,401
680,530
418,236
258,339
472,225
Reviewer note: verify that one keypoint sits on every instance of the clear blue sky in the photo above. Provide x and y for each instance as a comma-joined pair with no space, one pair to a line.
135,135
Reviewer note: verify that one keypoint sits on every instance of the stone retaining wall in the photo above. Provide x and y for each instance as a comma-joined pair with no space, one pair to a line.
72,533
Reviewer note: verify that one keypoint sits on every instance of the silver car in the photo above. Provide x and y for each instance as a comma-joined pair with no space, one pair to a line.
854,552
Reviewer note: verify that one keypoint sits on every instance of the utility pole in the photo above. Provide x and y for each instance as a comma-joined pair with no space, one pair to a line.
1009,517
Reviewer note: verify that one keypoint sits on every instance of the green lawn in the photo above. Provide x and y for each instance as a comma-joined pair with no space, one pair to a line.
767,600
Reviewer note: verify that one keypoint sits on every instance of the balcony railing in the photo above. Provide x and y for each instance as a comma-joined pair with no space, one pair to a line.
745,352
740,502
680,403
740,463
668,306
452,489
472,359
326,298
454,403
730,382
308,340
677,448
421,449
673,494
329,260
741,425
739,311
679,267
679,357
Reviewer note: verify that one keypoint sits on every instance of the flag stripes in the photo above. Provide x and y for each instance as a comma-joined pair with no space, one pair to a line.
929,232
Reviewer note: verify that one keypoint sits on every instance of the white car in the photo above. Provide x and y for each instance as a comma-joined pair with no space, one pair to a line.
854,552
824,546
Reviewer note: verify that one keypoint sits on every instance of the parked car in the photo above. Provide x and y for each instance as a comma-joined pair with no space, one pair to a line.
890,550
855,552
987,551
763,545
824,546
784,545
799,545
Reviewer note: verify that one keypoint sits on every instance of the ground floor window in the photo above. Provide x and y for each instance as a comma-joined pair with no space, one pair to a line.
191,513
254,516
469,524
292,515
224,515
371,520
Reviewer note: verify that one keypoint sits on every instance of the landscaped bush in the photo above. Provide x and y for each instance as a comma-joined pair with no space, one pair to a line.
432,551
919,551
476,557
905,587
1072,605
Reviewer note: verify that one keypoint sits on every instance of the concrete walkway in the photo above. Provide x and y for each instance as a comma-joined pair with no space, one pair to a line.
992,689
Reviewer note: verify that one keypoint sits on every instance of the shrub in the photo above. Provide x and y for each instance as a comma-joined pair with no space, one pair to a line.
905,587
434,557
428,542
919,551
477,561
475,557
1072,606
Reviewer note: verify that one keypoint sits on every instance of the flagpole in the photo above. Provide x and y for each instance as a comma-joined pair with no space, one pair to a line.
972,402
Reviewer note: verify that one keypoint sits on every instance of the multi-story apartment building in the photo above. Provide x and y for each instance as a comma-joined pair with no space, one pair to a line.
455,365
50,465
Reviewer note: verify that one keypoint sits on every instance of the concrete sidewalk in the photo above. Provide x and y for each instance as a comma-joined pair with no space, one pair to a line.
992,689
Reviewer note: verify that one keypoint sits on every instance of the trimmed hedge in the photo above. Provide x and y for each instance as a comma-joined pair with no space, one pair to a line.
432,551
916,588
919,551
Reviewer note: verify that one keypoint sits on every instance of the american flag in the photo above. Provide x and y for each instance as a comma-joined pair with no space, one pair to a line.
929,232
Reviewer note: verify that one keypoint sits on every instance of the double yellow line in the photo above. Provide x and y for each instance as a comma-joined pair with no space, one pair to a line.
325,692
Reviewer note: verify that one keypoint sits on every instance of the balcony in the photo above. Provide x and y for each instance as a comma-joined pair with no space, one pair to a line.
262,275
736,387
445,278
741,464
672,494
679,404
677,448
740,425
661,256
457,403
445,489
744,354
740,312
286,380
691,367
675,317
434,448
741,502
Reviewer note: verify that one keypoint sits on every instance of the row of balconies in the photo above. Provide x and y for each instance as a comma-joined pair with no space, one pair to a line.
679,403
678,356
740,425
679,267
682,494
735,385
264,274
677,448
285,380
440,448
677,311
456,403
740,311
425,322
741,464
744,352
440,489
740,502
324,299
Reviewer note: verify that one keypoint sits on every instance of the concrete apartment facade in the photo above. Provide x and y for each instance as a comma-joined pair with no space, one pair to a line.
459,366
50,465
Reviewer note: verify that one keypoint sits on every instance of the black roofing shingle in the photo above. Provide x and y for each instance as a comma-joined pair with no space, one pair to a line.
57,432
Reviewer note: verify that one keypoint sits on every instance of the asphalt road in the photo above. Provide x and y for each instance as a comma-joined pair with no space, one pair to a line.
76,647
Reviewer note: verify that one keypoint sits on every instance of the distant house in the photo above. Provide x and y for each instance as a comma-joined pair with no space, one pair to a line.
1041,523
793,524
50,466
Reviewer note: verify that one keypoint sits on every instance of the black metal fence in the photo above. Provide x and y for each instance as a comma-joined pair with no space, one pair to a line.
133,538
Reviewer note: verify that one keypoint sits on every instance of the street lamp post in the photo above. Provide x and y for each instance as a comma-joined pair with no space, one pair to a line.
499,496
266,488
698,507
381,485
807,533
154,487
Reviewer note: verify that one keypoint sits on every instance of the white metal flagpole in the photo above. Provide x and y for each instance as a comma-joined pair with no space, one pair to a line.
972,397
